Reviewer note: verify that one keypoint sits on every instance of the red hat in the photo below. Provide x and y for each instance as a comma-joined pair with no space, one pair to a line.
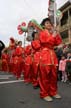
12,39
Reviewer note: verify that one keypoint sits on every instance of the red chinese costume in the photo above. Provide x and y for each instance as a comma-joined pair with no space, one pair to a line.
28,63
17,61
35,62
48,64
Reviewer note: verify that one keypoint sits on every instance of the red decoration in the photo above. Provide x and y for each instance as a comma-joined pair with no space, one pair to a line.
12,39
49,2
20,32
23,24
19,27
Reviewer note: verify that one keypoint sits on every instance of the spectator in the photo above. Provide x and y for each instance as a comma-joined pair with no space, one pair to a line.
68,66
62,65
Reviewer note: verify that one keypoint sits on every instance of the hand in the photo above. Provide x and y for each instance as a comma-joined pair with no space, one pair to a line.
54,34
56,31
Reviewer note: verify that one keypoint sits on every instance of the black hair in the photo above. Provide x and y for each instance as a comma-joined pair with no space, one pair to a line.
19,42
44,20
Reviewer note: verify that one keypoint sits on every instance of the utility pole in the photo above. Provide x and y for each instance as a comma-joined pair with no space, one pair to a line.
52,11
55,9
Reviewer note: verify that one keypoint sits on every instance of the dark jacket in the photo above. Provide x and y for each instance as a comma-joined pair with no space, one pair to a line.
68,65
2,46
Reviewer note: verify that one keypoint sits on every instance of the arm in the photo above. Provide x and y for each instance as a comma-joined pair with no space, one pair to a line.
60,65
57,39
44,37
56,35
35,44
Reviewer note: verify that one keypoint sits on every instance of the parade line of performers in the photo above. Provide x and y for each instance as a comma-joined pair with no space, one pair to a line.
37,61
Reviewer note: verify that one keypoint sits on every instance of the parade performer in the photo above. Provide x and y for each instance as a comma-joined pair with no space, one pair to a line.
4,58
10,50
17,59
48,61
27,64
35,59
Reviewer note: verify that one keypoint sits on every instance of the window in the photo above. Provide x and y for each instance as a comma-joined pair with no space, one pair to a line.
64,18
70,11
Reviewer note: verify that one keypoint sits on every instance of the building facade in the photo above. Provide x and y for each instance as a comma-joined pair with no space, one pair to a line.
65,23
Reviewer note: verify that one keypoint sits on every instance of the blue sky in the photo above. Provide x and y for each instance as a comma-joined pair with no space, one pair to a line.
13,12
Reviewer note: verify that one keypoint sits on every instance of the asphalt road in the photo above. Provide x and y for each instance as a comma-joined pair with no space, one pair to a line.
16,94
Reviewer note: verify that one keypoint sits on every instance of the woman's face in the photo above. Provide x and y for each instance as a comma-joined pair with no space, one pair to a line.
63,57
48,25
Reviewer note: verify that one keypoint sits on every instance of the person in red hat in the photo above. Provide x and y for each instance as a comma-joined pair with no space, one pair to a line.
11,50
18,59
4,58
7,52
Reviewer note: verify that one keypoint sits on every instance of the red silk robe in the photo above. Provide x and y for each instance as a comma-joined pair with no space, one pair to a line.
11,50
35,63
17,61
48,63
28,63
5,62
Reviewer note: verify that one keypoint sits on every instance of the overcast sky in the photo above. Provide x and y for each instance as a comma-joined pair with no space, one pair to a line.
13,12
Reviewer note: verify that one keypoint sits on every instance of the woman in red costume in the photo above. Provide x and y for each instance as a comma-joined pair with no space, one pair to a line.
18,60
35,59
10,50
28,64
5,61
48,61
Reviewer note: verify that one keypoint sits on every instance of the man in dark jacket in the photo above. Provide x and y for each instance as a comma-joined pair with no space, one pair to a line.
68,65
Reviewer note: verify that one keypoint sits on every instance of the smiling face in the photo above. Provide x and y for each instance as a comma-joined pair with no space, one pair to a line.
48,25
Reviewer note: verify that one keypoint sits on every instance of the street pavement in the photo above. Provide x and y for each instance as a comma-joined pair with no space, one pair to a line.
16,94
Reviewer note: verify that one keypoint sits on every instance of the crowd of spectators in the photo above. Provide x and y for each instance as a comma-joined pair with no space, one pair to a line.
63,53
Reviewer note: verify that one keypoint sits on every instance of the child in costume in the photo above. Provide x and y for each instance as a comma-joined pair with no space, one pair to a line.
48,61
62,66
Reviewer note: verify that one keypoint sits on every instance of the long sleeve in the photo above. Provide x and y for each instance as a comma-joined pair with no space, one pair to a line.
60,65
58,39
36,44
43,37
27,50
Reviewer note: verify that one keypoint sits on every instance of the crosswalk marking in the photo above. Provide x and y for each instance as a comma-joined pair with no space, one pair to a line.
9,82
